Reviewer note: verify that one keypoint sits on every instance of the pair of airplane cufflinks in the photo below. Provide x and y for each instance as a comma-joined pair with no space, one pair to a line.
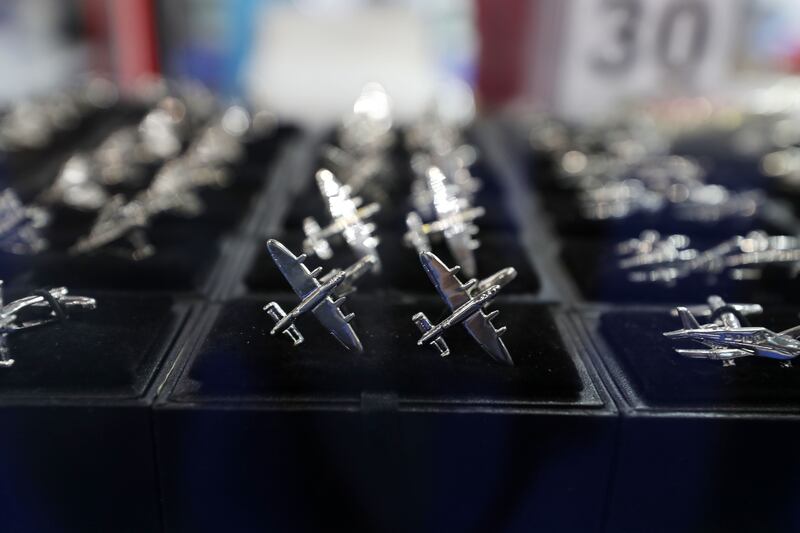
324,296
727,335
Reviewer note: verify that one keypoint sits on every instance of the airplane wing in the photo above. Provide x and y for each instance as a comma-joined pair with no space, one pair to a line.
445,280
791,332
482,330
705,310
292,268
330,315
714,353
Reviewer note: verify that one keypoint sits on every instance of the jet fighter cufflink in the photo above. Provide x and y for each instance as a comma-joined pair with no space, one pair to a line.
728,334
466,302
322,296
40,308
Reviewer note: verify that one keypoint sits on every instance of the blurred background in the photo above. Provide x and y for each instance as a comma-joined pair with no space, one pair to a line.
579,59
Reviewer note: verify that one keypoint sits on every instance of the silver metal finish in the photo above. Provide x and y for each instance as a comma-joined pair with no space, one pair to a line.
322,297
31,124
625,168
20,226
727,339
467,302
36,310
173,189
653,258
348,217
121,226
454,221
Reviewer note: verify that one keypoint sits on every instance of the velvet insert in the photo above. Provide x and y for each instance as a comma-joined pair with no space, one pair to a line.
110,351
663,378
594,267
239,359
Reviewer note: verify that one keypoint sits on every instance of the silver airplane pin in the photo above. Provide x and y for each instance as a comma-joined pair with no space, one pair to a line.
20,225
454,221
466,301
55,302
75,186
323,297
118,223
348,220
655,258
727,339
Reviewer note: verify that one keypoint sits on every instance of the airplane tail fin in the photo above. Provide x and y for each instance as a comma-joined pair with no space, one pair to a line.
277,313
424,326
687,318
315,243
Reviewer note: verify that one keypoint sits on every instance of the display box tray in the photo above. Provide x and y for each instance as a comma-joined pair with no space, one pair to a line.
693,433
77,452
286,436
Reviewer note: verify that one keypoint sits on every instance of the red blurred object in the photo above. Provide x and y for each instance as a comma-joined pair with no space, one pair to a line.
503,27
125,38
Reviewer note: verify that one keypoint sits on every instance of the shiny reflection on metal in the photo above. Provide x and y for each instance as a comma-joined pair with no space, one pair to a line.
467,302
36,310
348,217
726,339
20,226
653,258
454,221
120,226
321,297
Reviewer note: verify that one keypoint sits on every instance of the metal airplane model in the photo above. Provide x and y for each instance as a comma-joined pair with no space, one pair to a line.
655,258
55,302
466,301
348,220
119,222
727,339
454,221
20,225
323,297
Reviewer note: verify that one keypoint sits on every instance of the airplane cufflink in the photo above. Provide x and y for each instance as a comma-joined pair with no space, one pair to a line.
120,226
454,220
20,225
348,218
466,302
40,308
652,257
728,335
323,297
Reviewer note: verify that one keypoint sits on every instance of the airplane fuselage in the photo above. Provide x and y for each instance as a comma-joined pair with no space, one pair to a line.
462,313
756,341
311,301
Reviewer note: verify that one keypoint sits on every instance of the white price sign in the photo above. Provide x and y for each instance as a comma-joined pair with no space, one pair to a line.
616,50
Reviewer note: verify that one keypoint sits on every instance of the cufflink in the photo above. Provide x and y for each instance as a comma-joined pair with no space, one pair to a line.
323,297
348,220
121,227
454,220
20,225
466,302
728,335
40,308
